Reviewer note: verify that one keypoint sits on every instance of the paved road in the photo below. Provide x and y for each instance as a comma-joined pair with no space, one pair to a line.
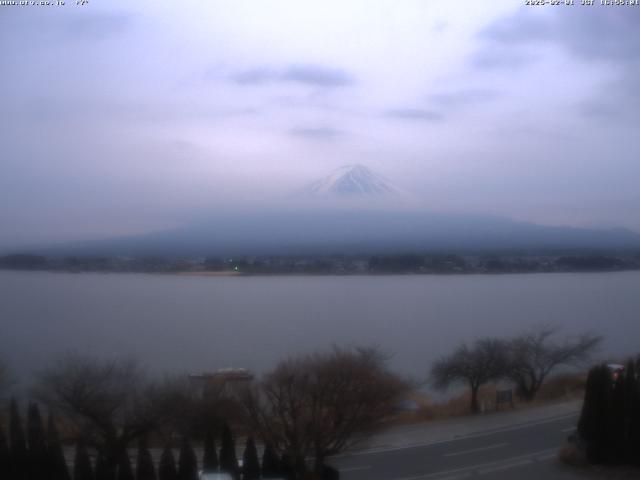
524,451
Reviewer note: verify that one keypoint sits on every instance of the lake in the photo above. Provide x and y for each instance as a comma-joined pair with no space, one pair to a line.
194,324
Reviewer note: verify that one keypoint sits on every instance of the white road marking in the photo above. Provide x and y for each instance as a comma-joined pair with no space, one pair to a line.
469,470
379,449
472,450
568,430
545,457
506,466
457,477
355,469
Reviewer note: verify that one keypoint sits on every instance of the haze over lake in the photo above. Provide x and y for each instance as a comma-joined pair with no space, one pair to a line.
194,324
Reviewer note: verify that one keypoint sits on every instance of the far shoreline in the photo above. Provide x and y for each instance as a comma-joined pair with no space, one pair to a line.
229,274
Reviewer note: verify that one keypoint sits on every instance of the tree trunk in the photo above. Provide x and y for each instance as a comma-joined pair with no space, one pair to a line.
526,393
475,407
528,387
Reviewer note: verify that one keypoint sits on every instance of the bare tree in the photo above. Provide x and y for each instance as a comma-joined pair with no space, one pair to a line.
484,361
314,406
533,355
103,399
188,409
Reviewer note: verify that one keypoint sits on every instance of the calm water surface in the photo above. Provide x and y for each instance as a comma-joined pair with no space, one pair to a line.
187,323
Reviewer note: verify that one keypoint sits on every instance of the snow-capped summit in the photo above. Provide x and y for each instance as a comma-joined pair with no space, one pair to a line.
351,181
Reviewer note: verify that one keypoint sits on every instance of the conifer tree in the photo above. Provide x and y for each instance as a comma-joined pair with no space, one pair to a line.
210,457
4,456
37,445
57,463
188,462
330,473
617,434
592,426
103,470
145,470
632,407
82,464
270,462
287,470
228,459
124,467
18,446
167,467
250,463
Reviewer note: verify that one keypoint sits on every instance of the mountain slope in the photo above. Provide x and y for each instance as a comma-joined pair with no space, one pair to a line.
350,181
354,232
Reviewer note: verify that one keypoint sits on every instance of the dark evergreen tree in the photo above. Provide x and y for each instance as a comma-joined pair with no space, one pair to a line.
210,457
103,470
592,426
270,462
250,463
37,445
124,467
145,470
188,462
330,473
617,434
57,463
287,469
228,459
5,472
82,464
632,407
167,466
18,445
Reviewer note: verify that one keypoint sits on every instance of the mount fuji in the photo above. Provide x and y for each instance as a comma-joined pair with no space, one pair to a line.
352,210
352,181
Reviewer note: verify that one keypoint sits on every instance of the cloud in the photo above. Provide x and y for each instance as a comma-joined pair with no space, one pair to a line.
617,99
598,37
255,76
304,74
519,28
96,27
414,114
504,42
440,26
317,133
464,97
85,27
597,110
598,33
488,59
315,75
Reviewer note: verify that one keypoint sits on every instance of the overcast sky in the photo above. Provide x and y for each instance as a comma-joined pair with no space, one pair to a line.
124,117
